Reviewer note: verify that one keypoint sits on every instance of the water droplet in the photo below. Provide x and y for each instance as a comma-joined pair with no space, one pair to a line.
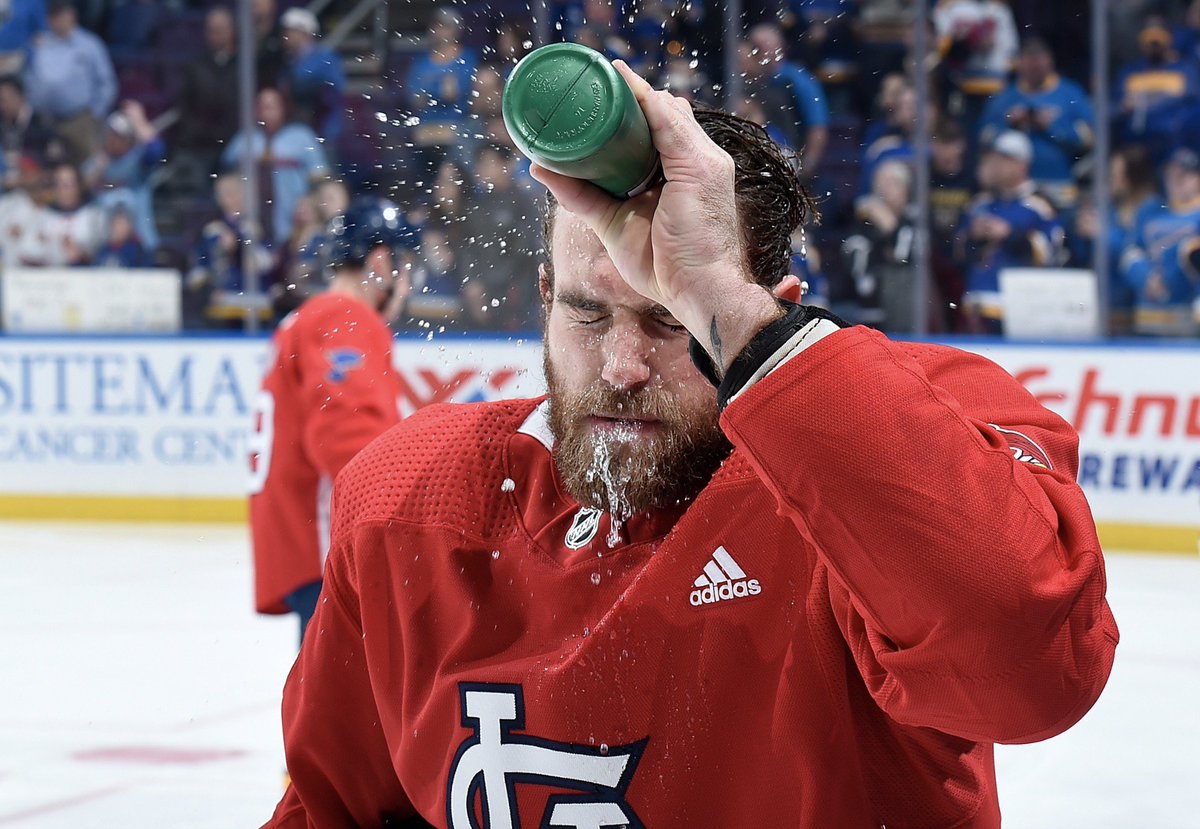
596,578
495,554
604,748
509,485
587,632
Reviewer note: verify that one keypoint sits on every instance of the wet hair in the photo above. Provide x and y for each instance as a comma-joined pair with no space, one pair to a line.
771,199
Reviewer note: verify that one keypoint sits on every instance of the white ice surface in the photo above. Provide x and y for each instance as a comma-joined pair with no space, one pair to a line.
139,689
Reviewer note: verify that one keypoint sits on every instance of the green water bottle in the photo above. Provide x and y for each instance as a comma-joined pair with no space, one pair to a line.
568,110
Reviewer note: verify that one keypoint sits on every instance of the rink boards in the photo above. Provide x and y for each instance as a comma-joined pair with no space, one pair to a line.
149,428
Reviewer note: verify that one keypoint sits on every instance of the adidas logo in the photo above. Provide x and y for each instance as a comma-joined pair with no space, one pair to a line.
722,580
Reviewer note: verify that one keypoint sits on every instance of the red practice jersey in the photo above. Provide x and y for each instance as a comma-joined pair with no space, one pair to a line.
329,390
894,570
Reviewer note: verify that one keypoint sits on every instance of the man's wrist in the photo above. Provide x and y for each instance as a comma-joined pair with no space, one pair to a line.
797,328
726,318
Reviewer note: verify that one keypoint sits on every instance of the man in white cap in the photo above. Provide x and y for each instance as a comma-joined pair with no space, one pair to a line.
1007,225
313,74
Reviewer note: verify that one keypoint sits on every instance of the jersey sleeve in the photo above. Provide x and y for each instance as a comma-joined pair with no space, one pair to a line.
337,756
964,567
349,389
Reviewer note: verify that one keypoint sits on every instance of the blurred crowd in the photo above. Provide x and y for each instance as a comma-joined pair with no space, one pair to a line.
120,147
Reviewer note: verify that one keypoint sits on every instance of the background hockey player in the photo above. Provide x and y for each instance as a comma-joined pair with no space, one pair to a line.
329,390
815,598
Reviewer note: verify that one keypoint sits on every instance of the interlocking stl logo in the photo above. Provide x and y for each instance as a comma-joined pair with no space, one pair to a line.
493,762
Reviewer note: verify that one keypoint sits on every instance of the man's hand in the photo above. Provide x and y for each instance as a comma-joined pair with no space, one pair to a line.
1156,288
678,244
1018,117
988,228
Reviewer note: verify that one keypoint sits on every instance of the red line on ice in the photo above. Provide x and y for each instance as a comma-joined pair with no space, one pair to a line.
58,805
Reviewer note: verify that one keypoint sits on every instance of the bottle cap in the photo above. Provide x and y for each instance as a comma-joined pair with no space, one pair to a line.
568,109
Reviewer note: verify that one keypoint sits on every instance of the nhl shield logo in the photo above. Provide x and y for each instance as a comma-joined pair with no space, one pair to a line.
583,528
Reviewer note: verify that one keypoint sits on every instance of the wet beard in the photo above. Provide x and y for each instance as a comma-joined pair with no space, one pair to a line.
621,471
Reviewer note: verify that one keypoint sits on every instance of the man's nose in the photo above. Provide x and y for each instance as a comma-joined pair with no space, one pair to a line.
626,358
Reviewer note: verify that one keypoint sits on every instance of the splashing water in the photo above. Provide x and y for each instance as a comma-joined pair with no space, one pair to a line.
615,480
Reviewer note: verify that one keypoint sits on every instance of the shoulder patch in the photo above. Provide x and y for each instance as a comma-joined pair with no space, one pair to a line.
1024,448
342,361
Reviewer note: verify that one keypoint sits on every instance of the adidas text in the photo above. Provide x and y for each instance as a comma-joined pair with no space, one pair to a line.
723,592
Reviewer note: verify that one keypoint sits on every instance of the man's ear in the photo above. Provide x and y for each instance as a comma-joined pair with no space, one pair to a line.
789,288
544,287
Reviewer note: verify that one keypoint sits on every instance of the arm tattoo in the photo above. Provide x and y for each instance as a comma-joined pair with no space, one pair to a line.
714,336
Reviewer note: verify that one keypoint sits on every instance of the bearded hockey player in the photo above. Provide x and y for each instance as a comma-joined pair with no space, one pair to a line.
814,596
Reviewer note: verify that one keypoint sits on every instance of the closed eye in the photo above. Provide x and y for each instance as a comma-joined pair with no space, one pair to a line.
587,321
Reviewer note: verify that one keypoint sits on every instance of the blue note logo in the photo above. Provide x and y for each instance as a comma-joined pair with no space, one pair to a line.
492,762
342,361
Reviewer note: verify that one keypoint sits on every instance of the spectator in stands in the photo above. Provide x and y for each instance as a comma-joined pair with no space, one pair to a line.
122,248
951,188
896,143
132,27
438,88
752,110
331,199
20,20
289,157
68,230
486,96
1162,264
268,42
121,170
884,32
436,301
313,76
880,250
300,265
884,115
1134,191
217,276
978,42
445,209
1054,112
608,41
23,133
823,32
682,77
18,209
71,80
1007,225
511,43
208,97
653,35
500,229
1187,34
1153,93
791,97
571,17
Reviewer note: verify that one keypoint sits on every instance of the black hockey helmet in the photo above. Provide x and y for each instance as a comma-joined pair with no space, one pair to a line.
369,222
